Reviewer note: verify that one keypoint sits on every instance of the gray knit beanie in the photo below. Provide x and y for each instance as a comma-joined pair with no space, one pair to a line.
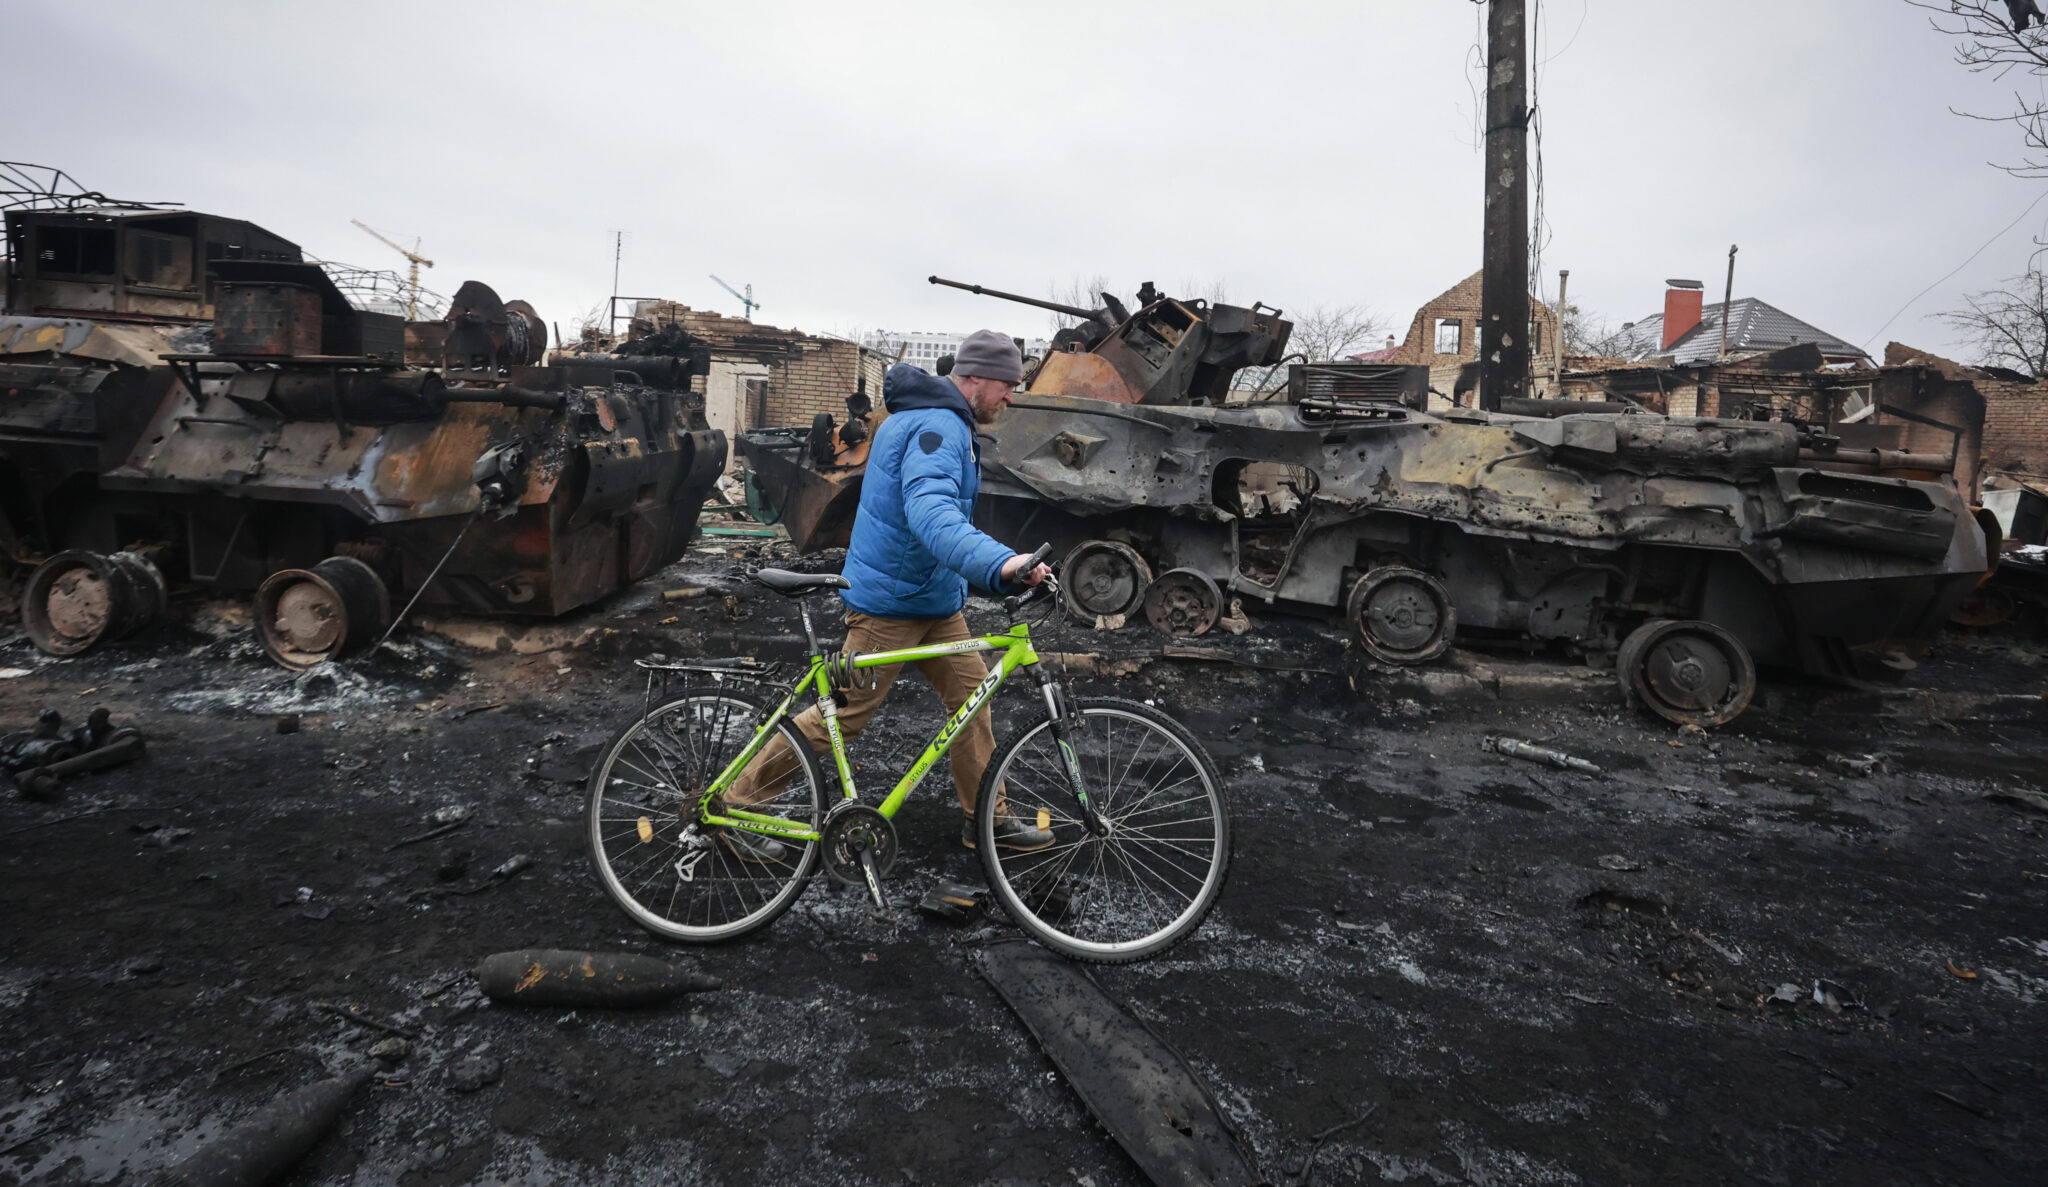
989,355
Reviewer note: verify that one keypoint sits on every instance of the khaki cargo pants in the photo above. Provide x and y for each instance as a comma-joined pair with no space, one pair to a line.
954,677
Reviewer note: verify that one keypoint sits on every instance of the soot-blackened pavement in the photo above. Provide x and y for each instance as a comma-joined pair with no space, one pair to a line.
1727,959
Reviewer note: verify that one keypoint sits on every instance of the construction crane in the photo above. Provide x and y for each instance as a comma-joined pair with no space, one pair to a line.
746,298
412,298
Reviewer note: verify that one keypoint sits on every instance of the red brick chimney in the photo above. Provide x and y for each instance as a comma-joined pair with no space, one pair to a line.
1682,300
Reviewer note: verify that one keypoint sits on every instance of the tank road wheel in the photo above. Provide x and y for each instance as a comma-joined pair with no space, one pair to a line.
1103,579
77,600
1690,673
1184,603
1402,615
337,608
1986,606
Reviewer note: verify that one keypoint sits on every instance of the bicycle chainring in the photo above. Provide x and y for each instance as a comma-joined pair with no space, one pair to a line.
850,828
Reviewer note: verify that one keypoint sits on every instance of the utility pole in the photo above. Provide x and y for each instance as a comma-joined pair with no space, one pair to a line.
1728,301
1564,280
1504,285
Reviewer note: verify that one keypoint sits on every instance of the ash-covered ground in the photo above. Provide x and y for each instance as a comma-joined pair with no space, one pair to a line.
1727,959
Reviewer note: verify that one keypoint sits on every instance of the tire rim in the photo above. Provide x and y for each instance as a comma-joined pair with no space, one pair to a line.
1184,603
1402,615
1103,579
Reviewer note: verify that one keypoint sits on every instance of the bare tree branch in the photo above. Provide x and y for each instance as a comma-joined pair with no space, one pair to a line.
1587,333
1330,333
2008,326
1994,44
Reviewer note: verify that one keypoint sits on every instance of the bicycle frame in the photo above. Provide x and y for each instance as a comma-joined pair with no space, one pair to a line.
1017,653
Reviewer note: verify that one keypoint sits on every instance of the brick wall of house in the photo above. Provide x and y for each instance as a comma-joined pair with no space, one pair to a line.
2015,432
806,374
1461,304
2015,426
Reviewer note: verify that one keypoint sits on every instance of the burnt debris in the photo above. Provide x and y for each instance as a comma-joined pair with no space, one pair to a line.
38,760
325,458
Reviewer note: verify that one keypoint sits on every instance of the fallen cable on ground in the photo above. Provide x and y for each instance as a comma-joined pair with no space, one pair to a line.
1534,753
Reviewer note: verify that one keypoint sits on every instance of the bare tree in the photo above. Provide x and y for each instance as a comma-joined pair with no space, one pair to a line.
2008,326
1329,333
1990,43
1083,294
1588,333
592,326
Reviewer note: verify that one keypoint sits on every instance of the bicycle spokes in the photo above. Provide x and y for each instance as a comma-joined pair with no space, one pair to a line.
672,872
1155,855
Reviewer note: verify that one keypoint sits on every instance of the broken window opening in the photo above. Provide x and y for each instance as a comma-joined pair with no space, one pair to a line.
159,261
1450,336
76,251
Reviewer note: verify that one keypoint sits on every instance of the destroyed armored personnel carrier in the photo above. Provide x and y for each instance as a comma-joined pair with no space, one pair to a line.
1689,549
1686,550
236,423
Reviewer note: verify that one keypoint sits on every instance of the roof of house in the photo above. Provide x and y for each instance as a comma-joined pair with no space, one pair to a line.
1756,326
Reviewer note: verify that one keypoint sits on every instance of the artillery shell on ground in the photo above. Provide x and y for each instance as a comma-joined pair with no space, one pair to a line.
272,1139
614,980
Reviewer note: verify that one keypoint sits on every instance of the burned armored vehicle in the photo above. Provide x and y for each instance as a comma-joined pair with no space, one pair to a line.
1685,550
334,462
1689,549
1167,352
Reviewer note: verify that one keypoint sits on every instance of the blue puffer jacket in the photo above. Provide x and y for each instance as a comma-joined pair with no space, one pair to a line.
915,546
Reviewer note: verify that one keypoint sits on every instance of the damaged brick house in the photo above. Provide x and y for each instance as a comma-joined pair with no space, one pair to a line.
1445,337
764,376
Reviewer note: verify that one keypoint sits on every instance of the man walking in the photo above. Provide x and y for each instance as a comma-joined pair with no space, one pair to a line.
914,551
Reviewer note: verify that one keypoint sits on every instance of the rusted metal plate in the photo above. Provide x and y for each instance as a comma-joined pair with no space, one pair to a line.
1088,375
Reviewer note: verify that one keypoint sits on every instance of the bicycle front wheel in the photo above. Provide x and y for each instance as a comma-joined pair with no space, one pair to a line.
1146,884
674,875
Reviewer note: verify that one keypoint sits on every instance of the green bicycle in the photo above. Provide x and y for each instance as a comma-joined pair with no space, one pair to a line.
1141,828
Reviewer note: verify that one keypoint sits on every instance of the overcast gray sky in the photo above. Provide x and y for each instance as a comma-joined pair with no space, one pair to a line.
834,155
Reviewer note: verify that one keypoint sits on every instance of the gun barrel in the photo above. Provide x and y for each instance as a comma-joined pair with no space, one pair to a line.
1055,306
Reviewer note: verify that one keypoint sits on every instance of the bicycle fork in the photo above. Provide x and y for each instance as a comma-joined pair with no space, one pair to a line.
1063,721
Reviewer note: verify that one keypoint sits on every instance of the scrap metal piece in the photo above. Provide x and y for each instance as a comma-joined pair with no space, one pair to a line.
1138,1086
272,1139
122,746
613,980
954,903
1515,748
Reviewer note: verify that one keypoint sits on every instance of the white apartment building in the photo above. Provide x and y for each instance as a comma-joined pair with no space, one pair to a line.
923,349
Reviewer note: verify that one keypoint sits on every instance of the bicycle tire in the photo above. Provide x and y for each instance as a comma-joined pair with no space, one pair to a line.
1080,911
636,799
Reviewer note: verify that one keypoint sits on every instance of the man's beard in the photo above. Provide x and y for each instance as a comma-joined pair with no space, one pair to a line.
986,414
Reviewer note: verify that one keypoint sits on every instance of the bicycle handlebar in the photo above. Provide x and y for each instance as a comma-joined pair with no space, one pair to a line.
1018,601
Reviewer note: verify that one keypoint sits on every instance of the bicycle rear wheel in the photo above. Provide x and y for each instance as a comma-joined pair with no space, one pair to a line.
1146,885
675,876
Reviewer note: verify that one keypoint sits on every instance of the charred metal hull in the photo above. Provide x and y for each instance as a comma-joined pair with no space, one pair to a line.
1576,528
234,490
816,504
